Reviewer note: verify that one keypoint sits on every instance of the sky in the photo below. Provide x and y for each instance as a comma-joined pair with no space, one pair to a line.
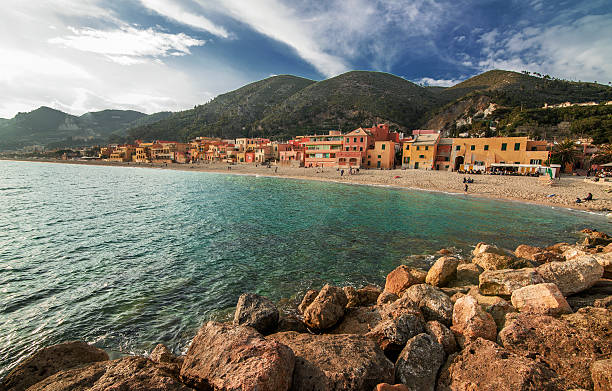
157,55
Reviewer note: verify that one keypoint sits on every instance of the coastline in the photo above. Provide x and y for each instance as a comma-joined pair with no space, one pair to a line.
506,188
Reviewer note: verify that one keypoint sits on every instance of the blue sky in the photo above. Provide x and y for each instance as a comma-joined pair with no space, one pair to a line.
152,55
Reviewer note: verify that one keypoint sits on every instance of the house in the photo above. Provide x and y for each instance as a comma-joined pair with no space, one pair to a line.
322,150
419,152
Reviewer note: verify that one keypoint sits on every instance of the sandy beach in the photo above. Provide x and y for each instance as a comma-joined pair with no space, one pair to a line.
516,188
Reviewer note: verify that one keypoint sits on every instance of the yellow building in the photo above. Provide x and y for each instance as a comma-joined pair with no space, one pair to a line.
420,152
484,153
382,155
122,154
142,153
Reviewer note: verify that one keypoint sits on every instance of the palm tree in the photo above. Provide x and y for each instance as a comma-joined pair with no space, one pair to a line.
603,155
565,153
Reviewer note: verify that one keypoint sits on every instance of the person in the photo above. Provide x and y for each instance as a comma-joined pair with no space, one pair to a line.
275,170
341,172
578,200
466,188
589,197
464,180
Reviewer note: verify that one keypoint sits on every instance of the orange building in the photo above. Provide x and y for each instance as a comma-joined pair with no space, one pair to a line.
322,150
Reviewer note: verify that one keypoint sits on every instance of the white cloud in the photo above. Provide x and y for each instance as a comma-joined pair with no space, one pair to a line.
172,10
428,81
126,44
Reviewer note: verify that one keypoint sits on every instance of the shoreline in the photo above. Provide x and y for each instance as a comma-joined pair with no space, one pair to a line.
388,179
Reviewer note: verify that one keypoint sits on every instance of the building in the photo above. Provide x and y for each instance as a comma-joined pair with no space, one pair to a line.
382,155
443,154
419,152
277,148
247,144
322,150
293,157
263,153
167,151
122,153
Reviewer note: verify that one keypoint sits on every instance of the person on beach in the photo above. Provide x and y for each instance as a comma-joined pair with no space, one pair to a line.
466,188
578,200
341,172
589,197
275,170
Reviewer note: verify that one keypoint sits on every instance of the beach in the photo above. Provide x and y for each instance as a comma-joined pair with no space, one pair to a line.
561,193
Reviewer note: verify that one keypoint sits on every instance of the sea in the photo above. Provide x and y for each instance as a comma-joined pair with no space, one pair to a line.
128,257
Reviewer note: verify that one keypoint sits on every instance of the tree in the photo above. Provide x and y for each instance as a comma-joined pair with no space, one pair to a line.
564,153
603,155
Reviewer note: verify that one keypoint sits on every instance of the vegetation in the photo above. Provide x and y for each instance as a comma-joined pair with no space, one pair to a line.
564,153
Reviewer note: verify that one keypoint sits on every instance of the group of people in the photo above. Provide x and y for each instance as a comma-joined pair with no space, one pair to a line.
589,197
351,171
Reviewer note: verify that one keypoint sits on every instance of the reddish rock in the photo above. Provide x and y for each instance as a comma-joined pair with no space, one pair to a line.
307,300
336,362
326,309
544,299
386,297
358,320
128,373
392,334
222,357
394,387
601,373
467,273
492,261
572,276
494,305
290,322
418,363
595,322
444,251
558,248
352,300
163,356
547,256
572,252
526,251
485,366
504,282
403,277
442,271
605,260
442,335
470,322
49,361
368,295
431,301
562,347
257,312
483,248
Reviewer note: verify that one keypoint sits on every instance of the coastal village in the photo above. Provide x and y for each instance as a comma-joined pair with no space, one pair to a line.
375,147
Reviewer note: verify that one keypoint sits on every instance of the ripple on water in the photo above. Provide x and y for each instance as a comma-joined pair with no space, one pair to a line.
126,258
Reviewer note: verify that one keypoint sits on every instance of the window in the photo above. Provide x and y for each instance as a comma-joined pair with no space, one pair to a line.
472,147
347,148
486,147
458,147
406,160
517,162
383,147
534,148
517,146
418,147
361,140
378,164
348,140
427,148
361,148
354,139
535,161
421,156
354,148
369,163
407,147
379,156
504,146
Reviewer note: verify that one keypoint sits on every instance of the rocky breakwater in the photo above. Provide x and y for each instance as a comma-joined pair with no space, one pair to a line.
529,319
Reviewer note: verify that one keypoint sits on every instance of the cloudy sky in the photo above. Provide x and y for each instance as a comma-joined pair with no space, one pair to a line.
153,55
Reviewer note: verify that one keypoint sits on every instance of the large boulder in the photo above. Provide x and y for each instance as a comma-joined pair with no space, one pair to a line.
587,298
307,300
326,309
571,252
164,357
392,334
442,335
358,320
544,299
442,272
418,363
567,350
601,373
485,366
290,322
504,282
128,373
470,322
352,300
527,252
386,297
605,260
368,295
484,248
50,360
537,254
494,305
336,362
403,277
392,387
492,261
257,312
572,276
595,322
467,273
223,357
431,301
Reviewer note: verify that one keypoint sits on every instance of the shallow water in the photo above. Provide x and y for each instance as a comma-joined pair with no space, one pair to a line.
129,257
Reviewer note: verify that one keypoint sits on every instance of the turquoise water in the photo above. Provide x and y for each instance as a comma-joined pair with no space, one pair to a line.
129,257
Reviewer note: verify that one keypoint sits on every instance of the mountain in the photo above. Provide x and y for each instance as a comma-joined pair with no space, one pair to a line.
50,127
229,115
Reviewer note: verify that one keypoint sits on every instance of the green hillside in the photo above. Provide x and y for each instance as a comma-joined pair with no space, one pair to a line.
229,115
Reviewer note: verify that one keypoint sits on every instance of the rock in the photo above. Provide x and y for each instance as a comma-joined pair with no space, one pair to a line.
572,276
605,260
597,239
555,342
456,297
491,261
308,298
442,335
558,248
603,303
504,282
595,322
485,366
468,273
400,306
128,373
543,299
607,249
351,296
444,251
290,322
326,309
601,373
386,297
336,362
358,320
368,295
389,387
442,271
392,334
547,256
470,322
431,301
257,312
572,252
403,277
458,290
418,363
163,356
50,360
223,357
595,294
527,252
483,248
